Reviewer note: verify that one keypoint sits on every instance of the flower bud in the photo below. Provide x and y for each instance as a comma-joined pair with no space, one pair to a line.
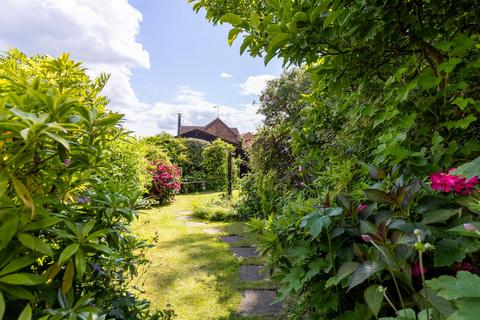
366,238
469,227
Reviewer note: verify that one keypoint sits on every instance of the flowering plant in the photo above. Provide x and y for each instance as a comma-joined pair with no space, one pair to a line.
448,182
165,181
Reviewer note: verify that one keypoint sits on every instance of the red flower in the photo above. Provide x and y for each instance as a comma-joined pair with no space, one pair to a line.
361,207
447,182
417,270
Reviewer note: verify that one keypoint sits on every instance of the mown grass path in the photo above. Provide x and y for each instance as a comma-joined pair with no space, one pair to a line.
191,269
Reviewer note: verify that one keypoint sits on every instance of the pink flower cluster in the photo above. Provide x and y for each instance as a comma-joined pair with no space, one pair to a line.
165,178
447,182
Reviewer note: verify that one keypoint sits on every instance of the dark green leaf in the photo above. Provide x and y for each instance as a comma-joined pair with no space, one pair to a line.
23,279
2,305
8,228
440,215
363,272
344,271
17,264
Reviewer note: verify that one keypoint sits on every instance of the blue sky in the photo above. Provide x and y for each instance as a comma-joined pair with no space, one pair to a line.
186,50
163,58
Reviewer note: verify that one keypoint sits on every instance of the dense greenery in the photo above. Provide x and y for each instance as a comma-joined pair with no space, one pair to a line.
215,164
66,250
357,226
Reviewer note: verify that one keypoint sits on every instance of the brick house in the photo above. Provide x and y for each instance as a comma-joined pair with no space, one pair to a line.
214,130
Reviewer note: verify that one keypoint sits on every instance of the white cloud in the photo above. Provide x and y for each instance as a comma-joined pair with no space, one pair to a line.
103,34
254,85
225,75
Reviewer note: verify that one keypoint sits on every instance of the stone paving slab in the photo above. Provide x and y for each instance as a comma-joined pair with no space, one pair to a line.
252,273
184,212
212,230
230,239
259,302
184,218
245,252
195,224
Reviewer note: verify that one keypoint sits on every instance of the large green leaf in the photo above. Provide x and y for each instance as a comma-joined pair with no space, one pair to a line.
469,169
2,305
468,309
80,262
8,228
26,313
35,244
231,18
17,264
373,298
465,285
23,279
68,252
448,251
344,271
363,272
440,215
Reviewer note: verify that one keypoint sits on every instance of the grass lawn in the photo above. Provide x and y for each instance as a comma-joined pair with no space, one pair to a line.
191,270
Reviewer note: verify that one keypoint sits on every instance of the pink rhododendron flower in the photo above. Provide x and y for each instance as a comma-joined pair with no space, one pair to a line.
447,182
366,238
417,270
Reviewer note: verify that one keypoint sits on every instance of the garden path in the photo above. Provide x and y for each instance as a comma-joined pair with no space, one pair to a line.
205,270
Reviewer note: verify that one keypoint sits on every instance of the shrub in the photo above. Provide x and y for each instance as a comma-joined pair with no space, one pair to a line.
165,181
215,157
66,247
126,165
174,147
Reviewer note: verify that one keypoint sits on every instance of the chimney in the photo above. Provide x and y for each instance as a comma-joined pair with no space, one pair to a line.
179,124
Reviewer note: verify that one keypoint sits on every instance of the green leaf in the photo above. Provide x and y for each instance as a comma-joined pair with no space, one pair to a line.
68,252
246,42
231,18
3,182
255,20
24,195
35,244
447,252
8,228
462,103
449,65
277,41
232,35
469,169
468,309
440,215
428,80
41,224
363,272
23,279
315,222
17,264
344,271
2,305
373,298
59,139
465,285
26,313
68,277
80,262
16,292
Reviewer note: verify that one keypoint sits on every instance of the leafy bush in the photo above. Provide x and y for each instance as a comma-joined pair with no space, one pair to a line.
174,147
392,90
66,249
249,202
218,209
215,164
127,165
165,181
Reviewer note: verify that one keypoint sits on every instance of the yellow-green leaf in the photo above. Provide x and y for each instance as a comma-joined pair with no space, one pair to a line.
24,195
68,277
26,313
68,252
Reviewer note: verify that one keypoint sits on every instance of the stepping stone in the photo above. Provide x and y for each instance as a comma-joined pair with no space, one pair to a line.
230,239
212,230
259,302
252,273
184,218
245,252
184,212
195,224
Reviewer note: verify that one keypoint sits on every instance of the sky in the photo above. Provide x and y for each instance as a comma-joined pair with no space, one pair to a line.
163,58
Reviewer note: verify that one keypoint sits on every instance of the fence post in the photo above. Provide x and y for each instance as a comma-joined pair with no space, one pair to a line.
229,190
